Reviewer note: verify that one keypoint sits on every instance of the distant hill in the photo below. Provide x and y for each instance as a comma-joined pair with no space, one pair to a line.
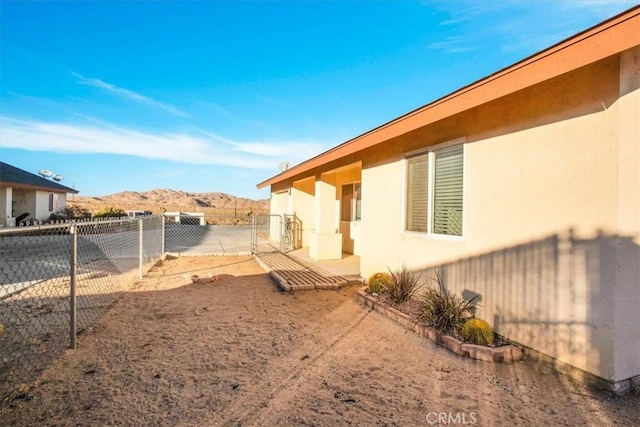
171,200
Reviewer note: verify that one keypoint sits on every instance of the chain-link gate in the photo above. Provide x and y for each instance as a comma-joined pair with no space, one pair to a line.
272,233
291,233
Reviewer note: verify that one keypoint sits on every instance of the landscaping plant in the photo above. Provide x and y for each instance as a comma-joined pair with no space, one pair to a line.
444,310
404,284
377,282
110,212
477,331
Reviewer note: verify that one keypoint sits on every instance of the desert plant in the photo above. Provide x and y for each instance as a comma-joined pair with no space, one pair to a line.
110,212
377,282
477,331
444,310
75,212
404,284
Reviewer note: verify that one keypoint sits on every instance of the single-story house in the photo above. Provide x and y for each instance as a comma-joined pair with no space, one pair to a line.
522,188
22,192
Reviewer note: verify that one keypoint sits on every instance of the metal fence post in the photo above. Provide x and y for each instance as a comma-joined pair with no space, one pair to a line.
163,237
73,231
281,232
141,251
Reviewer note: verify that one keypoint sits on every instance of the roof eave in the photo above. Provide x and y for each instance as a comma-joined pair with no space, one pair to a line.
38,187
608,38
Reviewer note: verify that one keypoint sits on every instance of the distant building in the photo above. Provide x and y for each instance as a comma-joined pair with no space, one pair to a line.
22,192
136,214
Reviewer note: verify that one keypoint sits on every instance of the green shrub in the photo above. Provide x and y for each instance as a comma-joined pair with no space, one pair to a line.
57,216
444,310
69,213
377,282
477,331
404,284
110,212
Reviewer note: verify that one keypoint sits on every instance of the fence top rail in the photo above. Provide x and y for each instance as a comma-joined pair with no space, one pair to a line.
24,229
82,223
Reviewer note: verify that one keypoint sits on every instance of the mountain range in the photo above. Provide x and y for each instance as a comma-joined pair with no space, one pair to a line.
161,200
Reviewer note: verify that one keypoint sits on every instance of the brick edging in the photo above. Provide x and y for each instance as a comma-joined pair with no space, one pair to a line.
507,353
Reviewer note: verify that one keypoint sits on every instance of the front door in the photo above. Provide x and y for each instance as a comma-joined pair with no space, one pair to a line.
350,213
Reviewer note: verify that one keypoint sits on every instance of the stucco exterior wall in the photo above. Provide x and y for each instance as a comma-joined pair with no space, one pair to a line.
550,239
279,204
303,206
24,201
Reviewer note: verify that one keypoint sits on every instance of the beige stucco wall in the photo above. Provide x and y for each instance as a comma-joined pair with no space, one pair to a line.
24,201
304,207
551,215
280,204
41,209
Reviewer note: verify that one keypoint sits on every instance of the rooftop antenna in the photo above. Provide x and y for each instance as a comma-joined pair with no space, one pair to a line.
283,166
45,173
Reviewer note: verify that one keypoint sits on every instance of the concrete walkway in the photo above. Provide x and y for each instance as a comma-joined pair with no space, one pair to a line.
295,275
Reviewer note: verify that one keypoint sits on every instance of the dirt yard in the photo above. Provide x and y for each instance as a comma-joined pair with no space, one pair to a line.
238,352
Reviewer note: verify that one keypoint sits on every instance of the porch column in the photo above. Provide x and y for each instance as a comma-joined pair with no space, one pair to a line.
6,196
325,242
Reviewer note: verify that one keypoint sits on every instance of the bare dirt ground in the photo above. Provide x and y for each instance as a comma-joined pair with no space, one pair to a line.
238,352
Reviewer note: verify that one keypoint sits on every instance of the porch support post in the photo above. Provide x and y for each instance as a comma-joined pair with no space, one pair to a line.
5,207
326,242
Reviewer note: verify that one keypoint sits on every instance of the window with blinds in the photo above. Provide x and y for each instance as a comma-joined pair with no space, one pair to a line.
434,191
447,191
417,192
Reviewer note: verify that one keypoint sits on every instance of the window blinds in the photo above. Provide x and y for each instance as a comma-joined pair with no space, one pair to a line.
417,192
447,191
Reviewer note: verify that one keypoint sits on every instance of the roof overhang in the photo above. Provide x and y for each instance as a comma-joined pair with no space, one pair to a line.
608,38
63,190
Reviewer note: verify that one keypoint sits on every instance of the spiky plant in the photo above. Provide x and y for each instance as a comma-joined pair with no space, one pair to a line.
403,285
444,310
377,282
477,331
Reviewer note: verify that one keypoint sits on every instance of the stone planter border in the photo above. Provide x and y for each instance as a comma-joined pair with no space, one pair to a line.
506,353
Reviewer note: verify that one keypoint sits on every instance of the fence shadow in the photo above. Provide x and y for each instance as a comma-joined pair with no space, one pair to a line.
573,299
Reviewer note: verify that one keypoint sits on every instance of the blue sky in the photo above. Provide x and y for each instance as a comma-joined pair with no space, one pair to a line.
212,95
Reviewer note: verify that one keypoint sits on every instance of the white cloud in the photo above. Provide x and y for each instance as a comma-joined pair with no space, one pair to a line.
291,151
520,26
125,93
454,44
206,149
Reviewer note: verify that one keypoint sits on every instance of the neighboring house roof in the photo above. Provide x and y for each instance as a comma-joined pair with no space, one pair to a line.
608,38
11,176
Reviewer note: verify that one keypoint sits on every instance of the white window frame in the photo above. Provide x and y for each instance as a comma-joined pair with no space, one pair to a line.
431,183
53,202
353,201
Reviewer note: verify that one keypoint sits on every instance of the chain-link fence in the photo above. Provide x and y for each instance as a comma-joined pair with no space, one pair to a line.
57,280
200,234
